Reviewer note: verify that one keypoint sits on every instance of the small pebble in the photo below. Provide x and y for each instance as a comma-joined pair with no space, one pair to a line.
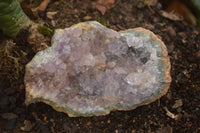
170,47
171,31
51,14
87,18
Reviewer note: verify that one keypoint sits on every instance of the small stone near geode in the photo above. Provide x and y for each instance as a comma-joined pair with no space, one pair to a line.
91,70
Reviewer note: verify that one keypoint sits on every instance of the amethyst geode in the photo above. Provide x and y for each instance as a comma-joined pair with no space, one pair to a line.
91,70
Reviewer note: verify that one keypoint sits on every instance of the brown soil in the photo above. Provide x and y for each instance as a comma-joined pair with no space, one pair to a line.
181,39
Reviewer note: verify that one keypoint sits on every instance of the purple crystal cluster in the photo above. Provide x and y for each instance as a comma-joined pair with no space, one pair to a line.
91,70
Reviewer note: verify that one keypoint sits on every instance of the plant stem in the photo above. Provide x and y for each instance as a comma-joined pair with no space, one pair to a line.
12,17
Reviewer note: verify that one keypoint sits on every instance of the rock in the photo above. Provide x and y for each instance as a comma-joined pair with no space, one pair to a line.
171,31
66,126
9,116
50,15
12,100
1,88
40,124
22,118
165,129
178,103
91,70
27,126
18,110
74,130
43,128
178,7
9,91
4,100
171,15
10,124
151,2
87,18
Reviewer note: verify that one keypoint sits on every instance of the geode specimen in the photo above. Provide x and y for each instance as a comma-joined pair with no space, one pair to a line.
91,70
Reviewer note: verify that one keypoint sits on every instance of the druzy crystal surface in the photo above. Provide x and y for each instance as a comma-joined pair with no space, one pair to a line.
91,70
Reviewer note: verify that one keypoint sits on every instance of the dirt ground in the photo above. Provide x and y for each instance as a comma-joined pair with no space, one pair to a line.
178,111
